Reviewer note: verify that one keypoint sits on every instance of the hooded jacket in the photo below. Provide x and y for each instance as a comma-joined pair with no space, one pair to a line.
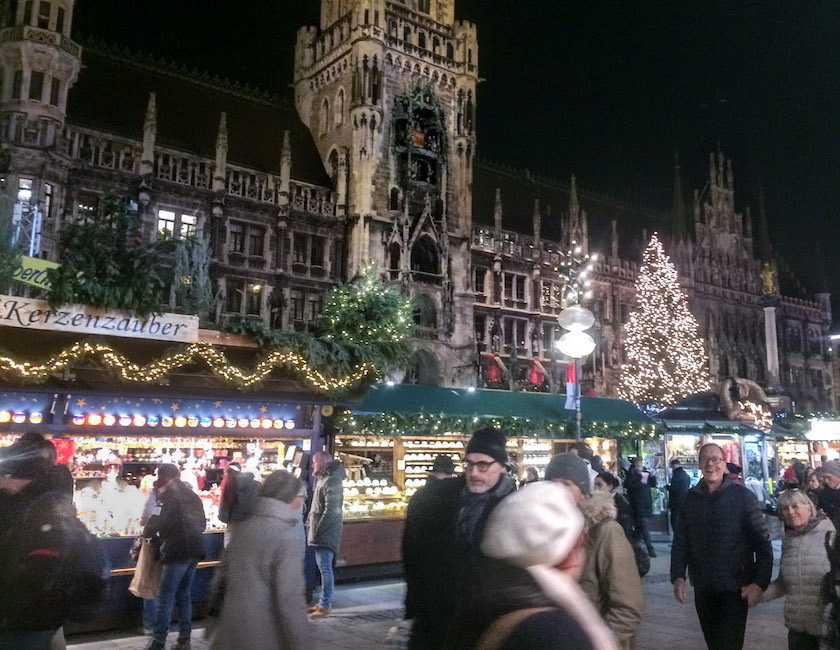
262,569
803,566
610,578
722,539
180,525
325,515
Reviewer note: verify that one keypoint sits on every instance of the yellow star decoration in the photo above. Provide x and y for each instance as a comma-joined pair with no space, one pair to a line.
81,402
263,409
155,371
217,404
174,407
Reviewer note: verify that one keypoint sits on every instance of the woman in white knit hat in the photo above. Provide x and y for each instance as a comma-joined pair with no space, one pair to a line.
536,534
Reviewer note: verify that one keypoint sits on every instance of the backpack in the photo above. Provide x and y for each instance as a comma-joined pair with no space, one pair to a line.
57,567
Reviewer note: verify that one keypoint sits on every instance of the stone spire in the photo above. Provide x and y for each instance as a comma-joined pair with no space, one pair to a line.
285,170
574,206
537,229
680,223
147,159
220,169
497,211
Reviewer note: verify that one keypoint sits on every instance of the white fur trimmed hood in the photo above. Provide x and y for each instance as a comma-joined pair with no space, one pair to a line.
597,508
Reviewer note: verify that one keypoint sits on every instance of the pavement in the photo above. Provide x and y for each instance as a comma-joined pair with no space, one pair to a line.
368,615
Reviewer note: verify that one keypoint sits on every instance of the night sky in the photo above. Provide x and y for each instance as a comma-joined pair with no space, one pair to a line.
607,90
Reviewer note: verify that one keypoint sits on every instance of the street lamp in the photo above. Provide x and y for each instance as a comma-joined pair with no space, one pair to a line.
576,343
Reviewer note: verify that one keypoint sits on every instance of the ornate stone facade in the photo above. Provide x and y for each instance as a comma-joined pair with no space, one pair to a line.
376,163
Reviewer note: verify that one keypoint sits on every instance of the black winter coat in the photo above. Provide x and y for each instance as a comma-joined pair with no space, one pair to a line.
180,525
828,500
638,493
429,550
722,539
678,489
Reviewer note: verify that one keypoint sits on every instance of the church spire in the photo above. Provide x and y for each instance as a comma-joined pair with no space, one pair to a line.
680,222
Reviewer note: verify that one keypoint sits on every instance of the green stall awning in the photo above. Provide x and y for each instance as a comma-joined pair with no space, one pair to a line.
406,398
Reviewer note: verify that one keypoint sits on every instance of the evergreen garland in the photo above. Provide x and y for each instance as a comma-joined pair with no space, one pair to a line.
9,255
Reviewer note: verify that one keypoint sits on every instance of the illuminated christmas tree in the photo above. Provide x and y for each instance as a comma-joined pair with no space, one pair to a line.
665,358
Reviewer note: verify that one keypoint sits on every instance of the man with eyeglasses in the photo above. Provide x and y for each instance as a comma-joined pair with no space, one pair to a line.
722,540
487,483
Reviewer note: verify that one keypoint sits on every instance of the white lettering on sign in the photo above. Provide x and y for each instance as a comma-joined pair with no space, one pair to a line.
37,315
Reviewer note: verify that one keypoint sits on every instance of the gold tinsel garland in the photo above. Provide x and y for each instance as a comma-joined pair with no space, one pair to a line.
157,370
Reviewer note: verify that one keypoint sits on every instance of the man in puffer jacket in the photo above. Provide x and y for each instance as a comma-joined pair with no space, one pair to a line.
722,540
803,567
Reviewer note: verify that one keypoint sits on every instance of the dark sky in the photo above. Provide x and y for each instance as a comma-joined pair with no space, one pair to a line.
603,89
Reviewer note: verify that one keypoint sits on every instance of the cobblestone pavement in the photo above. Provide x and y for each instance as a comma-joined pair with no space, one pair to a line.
369,615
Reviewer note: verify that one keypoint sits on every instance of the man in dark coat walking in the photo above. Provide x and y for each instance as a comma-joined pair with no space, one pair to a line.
638,485
723,542
677,490
428,557
487,483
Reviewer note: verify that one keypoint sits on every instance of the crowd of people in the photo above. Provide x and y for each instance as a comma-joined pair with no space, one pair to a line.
490,562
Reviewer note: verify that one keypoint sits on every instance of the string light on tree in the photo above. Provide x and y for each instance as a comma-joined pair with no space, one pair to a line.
666,360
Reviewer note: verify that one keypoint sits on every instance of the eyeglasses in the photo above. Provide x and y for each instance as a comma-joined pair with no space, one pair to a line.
716,460
481,465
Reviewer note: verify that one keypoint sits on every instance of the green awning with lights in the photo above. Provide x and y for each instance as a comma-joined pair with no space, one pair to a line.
406,398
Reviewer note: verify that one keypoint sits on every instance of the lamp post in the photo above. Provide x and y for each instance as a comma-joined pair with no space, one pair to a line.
576,343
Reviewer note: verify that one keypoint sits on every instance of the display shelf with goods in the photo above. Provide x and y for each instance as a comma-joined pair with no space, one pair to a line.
537,454
828,448
685,448
653,454
790,450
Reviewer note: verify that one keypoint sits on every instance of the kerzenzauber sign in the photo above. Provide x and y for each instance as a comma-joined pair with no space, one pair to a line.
37,315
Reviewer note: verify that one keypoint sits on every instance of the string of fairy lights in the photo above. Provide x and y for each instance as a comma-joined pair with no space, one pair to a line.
428,424
575,268
157,370
666,359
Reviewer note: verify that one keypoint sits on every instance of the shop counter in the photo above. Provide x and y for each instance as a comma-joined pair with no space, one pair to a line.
121,608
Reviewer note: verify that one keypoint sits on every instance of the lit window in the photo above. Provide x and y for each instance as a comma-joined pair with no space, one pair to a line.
48,198
189,225
24,194
253,299
87,204
236,238
166,224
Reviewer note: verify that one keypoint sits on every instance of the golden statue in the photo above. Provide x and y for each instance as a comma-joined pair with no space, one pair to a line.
768,278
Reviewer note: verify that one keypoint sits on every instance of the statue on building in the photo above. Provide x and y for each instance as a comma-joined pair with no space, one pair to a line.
769,280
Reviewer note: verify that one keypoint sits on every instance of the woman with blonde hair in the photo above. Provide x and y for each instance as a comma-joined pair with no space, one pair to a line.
804,563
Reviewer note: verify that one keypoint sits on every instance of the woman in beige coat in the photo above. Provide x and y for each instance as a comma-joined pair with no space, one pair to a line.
803,566
262,574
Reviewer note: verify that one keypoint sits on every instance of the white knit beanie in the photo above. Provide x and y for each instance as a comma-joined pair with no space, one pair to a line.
537,525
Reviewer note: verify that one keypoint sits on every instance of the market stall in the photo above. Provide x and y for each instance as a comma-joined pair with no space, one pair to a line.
389,441
113,444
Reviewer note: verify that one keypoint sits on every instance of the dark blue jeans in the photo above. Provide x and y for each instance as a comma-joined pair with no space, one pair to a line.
324,558
175,588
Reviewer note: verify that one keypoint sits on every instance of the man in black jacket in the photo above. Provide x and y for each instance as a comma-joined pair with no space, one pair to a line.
639,483
179,530
722,540
429,555
677,491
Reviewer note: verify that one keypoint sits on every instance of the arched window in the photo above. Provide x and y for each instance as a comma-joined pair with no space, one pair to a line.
395,199
435,44
394,256
424,257
339,107
428,373
325,117
421,40
333,167
424,6
450,51
407,34
425,313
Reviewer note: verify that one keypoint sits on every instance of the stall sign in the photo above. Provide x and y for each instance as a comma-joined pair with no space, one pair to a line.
824,430
33,271
34,314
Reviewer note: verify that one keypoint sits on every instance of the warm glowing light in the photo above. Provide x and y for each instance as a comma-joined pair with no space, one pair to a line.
5,416
180,422
78,419
153,420
278,424
265,423
94,419
205,422
290,424
36,418
139,420
166,421
218,422
109,420
19,418
230,423
192,421
243,423
255,423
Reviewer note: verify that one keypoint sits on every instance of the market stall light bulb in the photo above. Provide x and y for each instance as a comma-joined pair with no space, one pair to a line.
230,423
5,416
166,421
36,418
139,421
125,420
192,421
255,423
218,422
290,424
109,420
95,419
78,419
180,421
153,420
278,424
243,423
19,418
205,422
265,423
